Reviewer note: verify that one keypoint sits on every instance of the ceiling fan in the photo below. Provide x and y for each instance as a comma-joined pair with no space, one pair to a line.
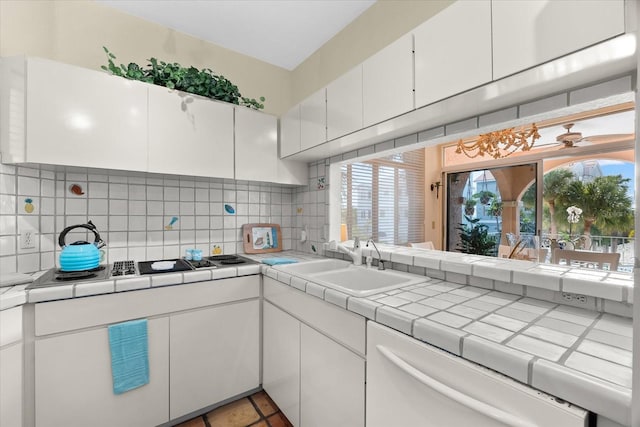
571,139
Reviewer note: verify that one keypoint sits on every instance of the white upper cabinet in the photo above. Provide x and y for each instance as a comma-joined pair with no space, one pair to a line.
256,145
313,120
290,132
344,104
72,116
528,33
387,76
189,135
453,51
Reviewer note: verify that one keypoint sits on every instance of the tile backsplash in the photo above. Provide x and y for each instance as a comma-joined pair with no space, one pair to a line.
143,216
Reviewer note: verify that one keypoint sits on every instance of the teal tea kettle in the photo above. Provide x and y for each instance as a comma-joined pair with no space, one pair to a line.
80,255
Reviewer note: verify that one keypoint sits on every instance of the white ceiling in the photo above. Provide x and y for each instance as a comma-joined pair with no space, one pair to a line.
280,32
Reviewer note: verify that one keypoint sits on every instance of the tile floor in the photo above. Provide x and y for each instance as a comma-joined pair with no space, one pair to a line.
257,410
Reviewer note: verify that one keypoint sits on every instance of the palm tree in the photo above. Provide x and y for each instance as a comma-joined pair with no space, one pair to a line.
554,187
603,201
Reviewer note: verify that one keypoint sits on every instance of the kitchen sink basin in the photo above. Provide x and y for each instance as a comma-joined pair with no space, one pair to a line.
362,281
310,267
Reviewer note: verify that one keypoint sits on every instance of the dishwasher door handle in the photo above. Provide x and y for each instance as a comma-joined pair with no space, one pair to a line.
455,395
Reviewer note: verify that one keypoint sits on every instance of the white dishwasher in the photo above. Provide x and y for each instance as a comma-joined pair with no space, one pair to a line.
410,383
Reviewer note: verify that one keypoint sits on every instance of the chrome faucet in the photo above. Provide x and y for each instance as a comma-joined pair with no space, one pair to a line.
380,261
356,253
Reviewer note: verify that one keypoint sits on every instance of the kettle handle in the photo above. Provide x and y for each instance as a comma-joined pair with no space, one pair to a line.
89,226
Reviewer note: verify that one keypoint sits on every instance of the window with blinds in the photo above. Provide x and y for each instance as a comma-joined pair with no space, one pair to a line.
384,198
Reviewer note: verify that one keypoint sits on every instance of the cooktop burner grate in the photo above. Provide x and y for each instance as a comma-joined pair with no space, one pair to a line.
222,257
75,275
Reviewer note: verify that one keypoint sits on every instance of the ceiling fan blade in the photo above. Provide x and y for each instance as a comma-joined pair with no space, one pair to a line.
598,139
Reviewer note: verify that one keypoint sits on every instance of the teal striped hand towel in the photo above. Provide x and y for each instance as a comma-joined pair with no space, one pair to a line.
129,355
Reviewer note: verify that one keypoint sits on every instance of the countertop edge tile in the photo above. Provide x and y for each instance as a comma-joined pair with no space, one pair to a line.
612,401
167,279
396,319
509,361
50,293
197,276
94,288
363,306
438,335
336,297
133,284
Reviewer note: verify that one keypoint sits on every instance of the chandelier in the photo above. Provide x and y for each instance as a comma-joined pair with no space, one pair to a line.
500,143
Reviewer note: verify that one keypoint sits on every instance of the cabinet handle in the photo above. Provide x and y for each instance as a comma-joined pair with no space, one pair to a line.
463,399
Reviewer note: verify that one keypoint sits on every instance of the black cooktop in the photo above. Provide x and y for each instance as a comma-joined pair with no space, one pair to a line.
55,276
221,261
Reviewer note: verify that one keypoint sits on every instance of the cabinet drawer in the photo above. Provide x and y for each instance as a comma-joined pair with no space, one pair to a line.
67,315
343,326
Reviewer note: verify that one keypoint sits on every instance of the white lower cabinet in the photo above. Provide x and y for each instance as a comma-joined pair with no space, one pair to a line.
331,382
203,347
281,360
11,367
314,376
74,387
214,355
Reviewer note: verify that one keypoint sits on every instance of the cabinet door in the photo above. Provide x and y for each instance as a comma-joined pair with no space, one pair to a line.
463,62
281,360
189,135
528,33
290,132
11,385
313,120
387,88
214,355
74,387
256,146
331,383
85,118
344,104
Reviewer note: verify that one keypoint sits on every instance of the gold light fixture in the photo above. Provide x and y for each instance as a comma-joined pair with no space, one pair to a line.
500,143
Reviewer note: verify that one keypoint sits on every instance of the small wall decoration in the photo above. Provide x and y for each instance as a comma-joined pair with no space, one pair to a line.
170,225
28,207
217,250
321,183
264,237
229,209
76,189
299,211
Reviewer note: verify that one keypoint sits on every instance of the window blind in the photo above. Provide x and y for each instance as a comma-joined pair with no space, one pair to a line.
384,198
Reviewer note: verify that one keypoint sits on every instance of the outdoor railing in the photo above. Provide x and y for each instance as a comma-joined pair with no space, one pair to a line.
594,243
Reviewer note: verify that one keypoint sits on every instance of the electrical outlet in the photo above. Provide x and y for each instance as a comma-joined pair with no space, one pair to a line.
27,240
582,299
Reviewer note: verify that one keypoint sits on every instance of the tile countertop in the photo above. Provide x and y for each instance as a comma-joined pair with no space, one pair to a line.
579,355
13,296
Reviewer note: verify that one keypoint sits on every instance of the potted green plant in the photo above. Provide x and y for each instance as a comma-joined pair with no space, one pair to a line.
484,196
475,238
186,79
470,206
